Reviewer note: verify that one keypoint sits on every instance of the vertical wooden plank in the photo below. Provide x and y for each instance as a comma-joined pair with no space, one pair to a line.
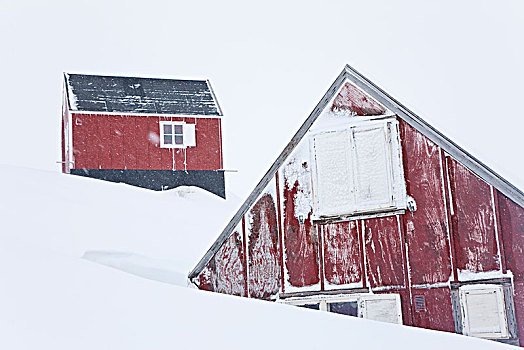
155,158
143,141
473,221
105,150
206,154
244,255
511,218
130,142
230,273
300,239
384,252
342,255
407,267
117,142
263,250
90,126
79,142
448,202
500,240
280,240
426,228
63,140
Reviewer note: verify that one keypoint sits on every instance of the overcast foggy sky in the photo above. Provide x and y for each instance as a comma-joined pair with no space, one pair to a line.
460,66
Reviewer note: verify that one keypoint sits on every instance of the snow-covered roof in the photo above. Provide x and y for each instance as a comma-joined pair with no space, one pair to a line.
96,93
350,74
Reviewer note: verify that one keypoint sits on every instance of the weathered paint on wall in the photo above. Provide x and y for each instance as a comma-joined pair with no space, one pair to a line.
352,99
473,220
426,228
133,142
229,265
383,246
263,248
342,256
511,219
438,313
300,236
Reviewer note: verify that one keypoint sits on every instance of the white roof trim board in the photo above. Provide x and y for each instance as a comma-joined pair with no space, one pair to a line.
473,164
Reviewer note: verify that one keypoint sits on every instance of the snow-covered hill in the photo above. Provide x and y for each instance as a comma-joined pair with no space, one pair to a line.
52,298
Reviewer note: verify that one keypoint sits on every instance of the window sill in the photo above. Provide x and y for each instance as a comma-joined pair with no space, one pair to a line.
357,216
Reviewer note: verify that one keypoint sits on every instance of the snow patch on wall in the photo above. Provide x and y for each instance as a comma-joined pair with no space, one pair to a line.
466,275
297,170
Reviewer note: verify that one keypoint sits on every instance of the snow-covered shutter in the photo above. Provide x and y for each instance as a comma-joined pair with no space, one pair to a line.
358,170
483,311
334,193
372,167
189,135
385,308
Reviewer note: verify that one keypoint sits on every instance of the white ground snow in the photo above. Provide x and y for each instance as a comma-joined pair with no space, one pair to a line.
51,298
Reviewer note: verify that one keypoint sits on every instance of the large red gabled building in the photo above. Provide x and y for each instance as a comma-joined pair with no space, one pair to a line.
371,212
152,133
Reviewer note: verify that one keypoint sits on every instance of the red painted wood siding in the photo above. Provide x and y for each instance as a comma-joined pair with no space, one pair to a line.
229,265
263,249
300,239
384,252
473,220
438,314
352,99
133,142
511,219
342,256
426,228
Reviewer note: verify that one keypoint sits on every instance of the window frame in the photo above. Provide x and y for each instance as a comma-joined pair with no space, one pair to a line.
394,171
359,298
186,139
479,289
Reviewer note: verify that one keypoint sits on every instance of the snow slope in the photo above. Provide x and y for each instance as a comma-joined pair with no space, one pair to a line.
74,215
51,298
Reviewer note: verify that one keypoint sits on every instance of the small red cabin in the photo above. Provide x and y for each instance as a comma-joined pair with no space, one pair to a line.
371,212
153,133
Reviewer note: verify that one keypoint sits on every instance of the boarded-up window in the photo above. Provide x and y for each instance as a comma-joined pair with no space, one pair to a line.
381,307
483,311
358,170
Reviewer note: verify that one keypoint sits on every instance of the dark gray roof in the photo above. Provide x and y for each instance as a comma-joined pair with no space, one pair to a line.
95,93
472,163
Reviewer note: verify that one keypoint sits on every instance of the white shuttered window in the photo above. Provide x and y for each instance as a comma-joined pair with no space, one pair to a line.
358,170
483,311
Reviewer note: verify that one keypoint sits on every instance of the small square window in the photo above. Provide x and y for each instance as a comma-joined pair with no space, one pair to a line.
177,135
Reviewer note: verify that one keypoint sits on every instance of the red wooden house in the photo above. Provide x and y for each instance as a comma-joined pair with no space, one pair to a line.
371,212
152,133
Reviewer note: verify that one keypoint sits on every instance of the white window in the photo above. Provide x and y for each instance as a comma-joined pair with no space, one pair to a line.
378,307
483,311
358,169
177,135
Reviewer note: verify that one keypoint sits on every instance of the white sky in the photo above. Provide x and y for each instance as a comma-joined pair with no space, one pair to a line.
458,65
